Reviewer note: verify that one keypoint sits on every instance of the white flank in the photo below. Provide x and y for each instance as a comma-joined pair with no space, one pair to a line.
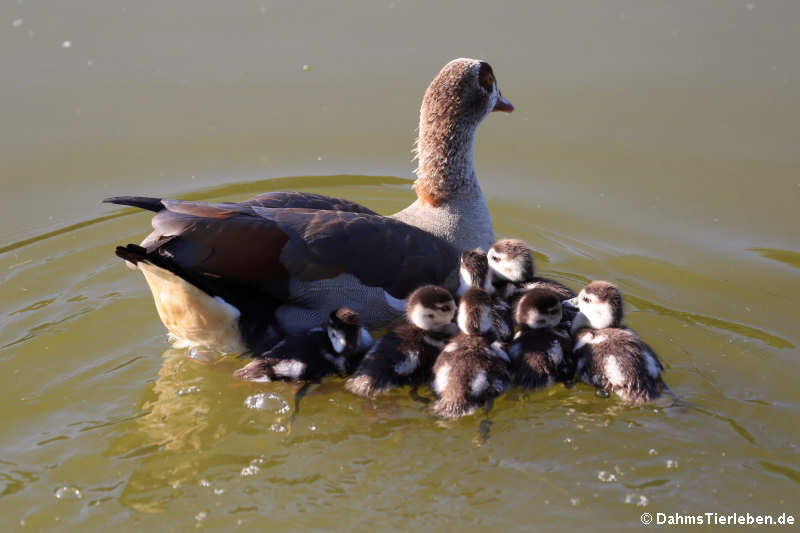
462,318
613,371
555,353
290,368
408,364
465,282
479,383
441,380
583,340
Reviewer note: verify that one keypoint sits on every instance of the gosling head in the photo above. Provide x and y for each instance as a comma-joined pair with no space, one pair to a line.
431,308
538,308
344,329
474,272
511,260
599,306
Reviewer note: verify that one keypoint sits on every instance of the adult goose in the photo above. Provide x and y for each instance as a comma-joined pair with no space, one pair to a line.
237,277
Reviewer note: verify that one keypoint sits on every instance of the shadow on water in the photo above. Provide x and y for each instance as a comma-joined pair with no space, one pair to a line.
711,322
787,257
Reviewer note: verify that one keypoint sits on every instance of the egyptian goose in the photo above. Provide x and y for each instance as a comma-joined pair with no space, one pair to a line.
238,277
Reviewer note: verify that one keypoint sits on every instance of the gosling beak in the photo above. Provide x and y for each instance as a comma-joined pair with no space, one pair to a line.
571,303
503,105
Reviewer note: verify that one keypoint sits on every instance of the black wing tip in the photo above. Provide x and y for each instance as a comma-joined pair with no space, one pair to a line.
132,252
143,202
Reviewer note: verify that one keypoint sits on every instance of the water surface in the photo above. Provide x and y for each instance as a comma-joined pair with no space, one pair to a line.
656,147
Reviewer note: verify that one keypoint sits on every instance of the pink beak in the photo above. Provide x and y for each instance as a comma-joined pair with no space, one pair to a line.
503,105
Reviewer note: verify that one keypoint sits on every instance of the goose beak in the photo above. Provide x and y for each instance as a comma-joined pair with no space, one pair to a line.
503,105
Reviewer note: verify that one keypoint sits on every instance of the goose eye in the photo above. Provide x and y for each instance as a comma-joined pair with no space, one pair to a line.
429,315
486,77
587,300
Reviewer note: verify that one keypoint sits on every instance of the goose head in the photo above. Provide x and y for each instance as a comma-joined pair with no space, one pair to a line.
463,93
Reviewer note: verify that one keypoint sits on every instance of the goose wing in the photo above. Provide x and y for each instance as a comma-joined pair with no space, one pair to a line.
264,247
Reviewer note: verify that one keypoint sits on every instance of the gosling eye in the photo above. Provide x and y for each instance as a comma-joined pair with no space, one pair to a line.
586,300
554,312
429,315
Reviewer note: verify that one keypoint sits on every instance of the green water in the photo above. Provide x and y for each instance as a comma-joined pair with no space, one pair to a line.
655,146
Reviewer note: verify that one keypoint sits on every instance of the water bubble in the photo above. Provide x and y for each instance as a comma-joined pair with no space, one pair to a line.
68,492
278,428
219,491
606,477
312,428
267,400
250,470
574,501
653,451
205,483
306,68
17,23
188,390
672,463
202,515
639,500
66,44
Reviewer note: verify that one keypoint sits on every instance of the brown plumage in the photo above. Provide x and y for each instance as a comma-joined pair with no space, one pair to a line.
405,355
205,244
336,348
475,272
541,352
455,101
608,355
470,370
278,263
